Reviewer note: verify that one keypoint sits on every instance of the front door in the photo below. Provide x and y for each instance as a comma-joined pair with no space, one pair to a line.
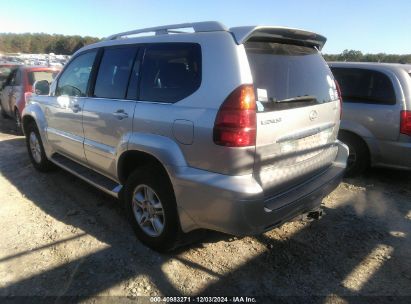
64,110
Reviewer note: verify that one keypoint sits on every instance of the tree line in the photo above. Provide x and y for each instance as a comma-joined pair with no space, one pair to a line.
41,43
357,56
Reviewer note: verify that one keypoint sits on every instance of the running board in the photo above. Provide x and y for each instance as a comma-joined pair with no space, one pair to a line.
92,177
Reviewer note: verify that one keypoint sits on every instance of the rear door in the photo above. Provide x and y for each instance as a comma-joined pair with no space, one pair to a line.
108,113
298,113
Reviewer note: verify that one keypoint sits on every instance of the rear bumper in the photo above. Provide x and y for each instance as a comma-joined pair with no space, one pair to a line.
236,204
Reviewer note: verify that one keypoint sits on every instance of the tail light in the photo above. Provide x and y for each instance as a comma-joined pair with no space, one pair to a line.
405,125
235,124
27,96
339,96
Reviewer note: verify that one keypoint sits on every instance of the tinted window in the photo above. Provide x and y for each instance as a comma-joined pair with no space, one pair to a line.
74,79
288,76
4,74
11,78
364,86
17,79
170,72
114,72
41,75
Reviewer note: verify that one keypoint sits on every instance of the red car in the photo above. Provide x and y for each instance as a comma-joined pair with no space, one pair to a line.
17,89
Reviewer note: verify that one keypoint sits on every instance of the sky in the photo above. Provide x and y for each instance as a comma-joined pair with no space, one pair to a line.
370,26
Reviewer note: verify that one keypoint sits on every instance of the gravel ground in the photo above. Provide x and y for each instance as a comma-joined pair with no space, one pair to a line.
61,237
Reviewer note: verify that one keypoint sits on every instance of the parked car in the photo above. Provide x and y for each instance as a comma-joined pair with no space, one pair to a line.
376,124
233,130
18,87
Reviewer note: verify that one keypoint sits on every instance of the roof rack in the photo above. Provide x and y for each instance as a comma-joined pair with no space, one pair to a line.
207,26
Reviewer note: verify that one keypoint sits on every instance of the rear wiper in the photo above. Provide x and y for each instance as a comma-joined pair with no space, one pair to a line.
296,99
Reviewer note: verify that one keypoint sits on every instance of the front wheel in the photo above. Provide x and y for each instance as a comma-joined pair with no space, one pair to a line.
36,150
151,208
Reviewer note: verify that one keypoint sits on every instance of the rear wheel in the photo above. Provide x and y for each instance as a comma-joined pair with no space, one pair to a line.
36,150
151,208
358,158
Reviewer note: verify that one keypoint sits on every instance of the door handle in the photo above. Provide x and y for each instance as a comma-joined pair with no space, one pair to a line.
76,108
120,114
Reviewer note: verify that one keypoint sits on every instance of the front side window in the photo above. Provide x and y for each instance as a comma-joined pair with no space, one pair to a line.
114,72
170,71
364,86
74,79
11,79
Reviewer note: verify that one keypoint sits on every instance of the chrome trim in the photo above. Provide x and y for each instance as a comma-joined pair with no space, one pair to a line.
67,135
99,148
305,133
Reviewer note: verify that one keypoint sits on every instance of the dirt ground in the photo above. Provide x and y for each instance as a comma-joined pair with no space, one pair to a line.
61,237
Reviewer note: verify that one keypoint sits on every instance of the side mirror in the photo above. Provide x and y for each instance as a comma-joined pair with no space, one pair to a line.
41,87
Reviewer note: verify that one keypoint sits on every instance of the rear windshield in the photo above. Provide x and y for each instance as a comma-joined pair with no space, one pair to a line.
41,75
289,76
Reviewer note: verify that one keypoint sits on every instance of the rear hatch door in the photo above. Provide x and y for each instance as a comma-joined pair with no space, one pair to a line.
298,113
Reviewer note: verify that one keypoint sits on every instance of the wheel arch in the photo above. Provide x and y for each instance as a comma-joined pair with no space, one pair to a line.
133,159
346,133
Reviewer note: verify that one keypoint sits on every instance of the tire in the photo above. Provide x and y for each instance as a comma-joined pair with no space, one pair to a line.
358,158
151,208
17,119
36,150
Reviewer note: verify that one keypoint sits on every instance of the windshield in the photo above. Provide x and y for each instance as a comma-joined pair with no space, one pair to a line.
289,76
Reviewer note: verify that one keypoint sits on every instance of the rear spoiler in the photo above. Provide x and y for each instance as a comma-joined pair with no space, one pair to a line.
266,33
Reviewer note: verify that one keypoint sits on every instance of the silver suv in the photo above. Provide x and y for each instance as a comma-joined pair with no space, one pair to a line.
232,130
376,124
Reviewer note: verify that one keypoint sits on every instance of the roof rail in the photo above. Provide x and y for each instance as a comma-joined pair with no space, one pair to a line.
207,26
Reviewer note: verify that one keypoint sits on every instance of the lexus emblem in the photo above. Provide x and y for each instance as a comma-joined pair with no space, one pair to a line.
313,115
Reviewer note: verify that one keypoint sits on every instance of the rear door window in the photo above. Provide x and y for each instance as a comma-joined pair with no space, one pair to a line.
289,76
114,72
170,72
364,86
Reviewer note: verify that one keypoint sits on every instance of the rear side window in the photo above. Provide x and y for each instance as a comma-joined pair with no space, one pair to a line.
364,86
289,76
170,71
41,75
114,72
74,79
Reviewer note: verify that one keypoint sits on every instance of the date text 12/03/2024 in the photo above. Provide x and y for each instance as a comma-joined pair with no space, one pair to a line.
203,299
